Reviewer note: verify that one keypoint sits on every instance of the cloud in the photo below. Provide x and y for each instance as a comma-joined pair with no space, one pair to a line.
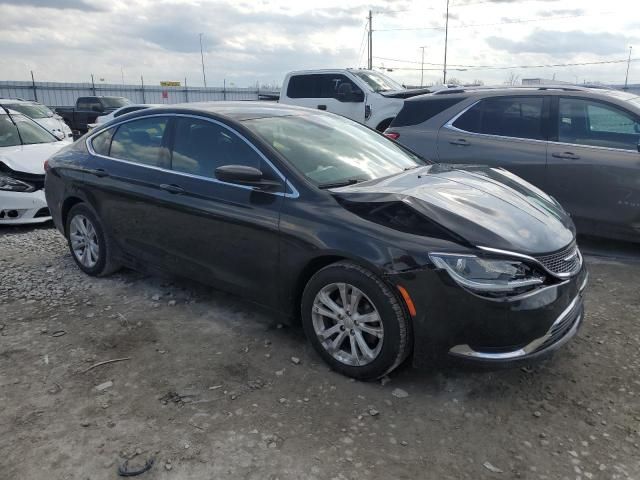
179,31
57,4
561,12
562,43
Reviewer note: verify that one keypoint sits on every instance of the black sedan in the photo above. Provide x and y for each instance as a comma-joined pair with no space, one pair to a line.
380,253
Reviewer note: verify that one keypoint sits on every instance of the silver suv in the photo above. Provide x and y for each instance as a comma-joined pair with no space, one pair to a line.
578,144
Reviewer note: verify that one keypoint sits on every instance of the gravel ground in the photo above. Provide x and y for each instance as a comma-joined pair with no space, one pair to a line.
212,387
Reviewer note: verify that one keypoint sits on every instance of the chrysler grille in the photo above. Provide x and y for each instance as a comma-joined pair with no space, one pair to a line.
565,262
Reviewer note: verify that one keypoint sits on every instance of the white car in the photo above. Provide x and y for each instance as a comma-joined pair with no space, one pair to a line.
121,111
24,147
365,96
41,114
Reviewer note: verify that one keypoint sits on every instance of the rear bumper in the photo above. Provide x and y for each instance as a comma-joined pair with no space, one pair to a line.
23,208
452,321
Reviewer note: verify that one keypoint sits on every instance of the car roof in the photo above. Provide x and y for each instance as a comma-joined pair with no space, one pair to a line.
238,111
487,91
328,70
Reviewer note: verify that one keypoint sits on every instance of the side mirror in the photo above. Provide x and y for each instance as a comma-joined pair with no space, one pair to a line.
59,134
243,175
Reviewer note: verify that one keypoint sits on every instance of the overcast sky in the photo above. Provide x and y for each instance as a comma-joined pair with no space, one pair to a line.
250,41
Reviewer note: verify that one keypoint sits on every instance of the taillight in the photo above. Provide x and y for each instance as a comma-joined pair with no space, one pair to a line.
392,135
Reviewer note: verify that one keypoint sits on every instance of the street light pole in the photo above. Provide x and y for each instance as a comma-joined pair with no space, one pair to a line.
422,68
626,78
446,41
204,78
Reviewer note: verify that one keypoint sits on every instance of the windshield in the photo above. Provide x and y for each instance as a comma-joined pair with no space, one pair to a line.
328,149
377,81
114,102
32,110
8,132
22,130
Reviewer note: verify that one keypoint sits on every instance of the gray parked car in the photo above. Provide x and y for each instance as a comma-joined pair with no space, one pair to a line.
580,145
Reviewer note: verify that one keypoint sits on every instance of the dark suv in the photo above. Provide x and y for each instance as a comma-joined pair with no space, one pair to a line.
578,144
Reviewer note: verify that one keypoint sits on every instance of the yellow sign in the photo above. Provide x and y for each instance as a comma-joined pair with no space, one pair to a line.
167,83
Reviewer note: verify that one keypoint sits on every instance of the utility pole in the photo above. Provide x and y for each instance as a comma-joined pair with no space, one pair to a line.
204,78
626,78
122,73
446,41
370,50
422,68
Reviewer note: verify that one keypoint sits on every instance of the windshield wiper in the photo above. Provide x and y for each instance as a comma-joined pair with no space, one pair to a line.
341,183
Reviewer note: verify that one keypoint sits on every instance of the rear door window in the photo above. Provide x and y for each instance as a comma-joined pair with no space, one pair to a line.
101,143
200,146
141,141
598,124
88,104
321,85
517,117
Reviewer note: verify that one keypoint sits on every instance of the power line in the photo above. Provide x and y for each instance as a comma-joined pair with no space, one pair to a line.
362,42
508,22
490,67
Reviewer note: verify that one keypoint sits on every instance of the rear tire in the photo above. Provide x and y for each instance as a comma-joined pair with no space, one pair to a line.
367,339
90,246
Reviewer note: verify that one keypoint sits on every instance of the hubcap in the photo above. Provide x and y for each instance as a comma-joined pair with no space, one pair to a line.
84,241
347,324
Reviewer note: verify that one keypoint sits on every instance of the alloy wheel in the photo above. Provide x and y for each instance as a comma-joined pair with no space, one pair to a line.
347,324
84,241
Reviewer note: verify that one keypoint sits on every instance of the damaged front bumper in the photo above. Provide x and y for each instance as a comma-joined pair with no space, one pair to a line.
23,208
453,321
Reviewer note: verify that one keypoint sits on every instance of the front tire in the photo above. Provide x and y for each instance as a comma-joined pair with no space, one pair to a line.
355,321
90,247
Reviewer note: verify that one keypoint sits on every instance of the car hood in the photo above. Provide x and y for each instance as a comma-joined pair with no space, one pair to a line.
30,158
407,93
486,207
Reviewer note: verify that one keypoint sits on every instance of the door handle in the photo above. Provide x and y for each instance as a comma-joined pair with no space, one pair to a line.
322,107
567,155
98,172
171,188
460,141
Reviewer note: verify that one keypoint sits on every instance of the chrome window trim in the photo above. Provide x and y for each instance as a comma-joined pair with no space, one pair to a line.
596,147
601,101
292,194
535,260
449,125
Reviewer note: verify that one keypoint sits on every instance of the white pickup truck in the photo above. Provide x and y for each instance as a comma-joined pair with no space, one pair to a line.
365,96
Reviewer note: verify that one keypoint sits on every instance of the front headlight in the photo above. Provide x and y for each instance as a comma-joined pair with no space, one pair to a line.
486,274
9,184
